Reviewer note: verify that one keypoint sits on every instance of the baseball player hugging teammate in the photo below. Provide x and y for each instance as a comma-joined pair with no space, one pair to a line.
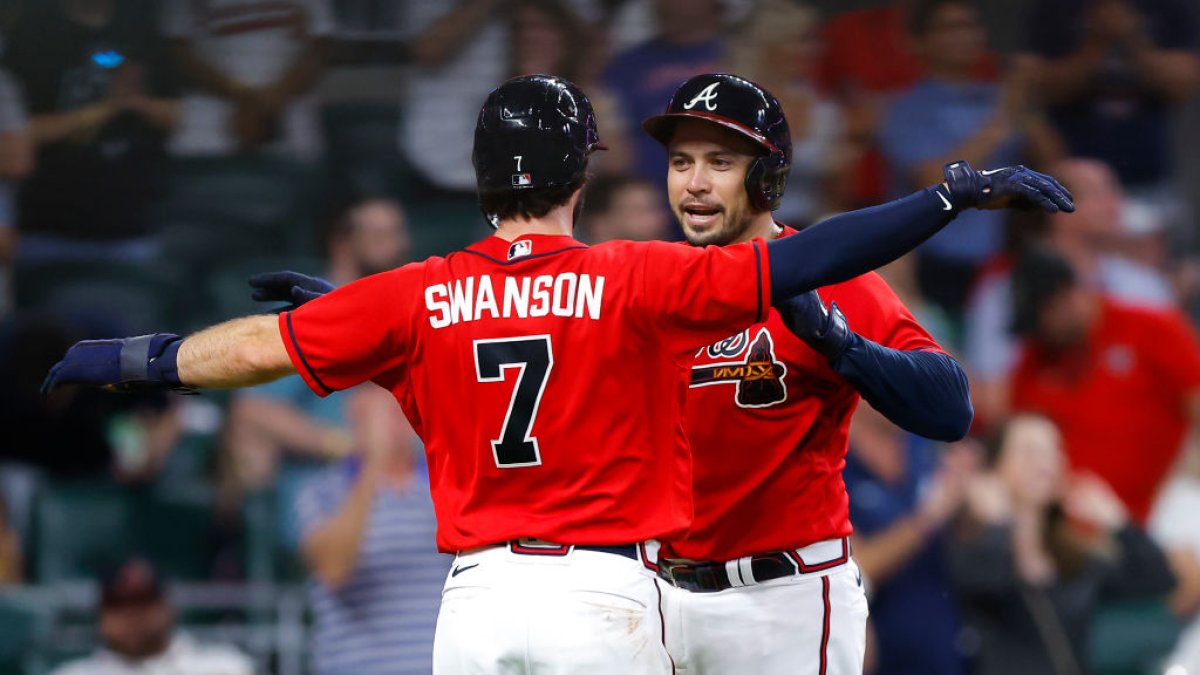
551,482
764,580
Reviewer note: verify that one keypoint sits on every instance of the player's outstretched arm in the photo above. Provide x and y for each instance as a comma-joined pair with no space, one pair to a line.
854,243
237,353
923,392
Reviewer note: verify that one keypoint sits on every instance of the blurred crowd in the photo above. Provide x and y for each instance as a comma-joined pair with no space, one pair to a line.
153,154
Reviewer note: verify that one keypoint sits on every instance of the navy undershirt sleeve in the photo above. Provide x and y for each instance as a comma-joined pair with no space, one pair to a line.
854,243
923,392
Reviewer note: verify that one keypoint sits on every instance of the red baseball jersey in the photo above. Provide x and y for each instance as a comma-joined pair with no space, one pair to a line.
1121,399
547,378
769,423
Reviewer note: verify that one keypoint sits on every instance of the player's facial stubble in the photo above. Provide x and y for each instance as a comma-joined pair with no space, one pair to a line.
706,175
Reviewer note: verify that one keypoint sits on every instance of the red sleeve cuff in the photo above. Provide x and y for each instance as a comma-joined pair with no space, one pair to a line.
287,332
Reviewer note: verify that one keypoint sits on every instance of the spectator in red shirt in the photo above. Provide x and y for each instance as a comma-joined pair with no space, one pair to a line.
1121,382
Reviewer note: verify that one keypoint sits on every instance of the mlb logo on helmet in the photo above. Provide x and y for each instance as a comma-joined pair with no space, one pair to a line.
520,248
522,180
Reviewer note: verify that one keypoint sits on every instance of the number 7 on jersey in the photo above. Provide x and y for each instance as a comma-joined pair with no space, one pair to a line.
534,358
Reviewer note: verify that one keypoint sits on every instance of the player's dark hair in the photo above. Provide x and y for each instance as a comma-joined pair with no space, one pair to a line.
531,203
921,14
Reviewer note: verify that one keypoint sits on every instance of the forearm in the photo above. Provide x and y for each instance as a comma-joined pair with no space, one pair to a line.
333,548
287,426
1062,80
881,554
161,112
451,33
923,392
59,126
854,243
201,73
304,72
976,150
238,353
1173,75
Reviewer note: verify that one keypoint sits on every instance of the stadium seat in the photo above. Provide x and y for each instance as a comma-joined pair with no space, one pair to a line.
130,296
218,208
229,292
362,149
80,528
1132,638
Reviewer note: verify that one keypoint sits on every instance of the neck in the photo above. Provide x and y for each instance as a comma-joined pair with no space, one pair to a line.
762,225
560,221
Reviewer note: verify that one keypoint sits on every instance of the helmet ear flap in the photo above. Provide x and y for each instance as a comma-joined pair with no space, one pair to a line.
766,179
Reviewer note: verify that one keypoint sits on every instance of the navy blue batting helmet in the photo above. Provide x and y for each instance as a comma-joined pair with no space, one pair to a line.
533,131
741,105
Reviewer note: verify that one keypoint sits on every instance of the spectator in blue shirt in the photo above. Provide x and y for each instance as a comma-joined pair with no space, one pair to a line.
950,115
1112,70
643,77
367,533
901,496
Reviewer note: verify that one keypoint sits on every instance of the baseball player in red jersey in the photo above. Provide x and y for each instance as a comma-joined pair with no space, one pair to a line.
764,581
547,379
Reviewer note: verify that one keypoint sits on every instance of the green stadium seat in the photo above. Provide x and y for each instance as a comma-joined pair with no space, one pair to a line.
1133,637
132,294
80,528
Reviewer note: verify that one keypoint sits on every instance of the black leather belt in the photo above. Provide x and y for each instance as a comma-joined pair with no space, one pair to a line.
710,577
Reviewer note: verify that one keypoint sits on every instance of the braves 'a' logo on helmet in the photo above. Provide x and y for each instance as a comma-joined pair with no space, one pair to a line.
757,379
708,95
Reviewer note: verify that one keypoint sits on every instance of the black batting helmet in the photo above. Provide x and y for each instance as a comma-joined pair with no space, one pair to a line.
533,131
741,105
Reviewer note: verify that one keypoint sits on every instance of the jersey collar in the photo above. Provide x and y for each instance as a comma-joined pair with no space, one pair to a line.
524,247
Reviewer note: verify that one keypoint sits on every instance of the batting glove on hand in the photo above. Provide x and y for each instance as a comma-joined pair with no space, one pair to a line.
290,287
1010,187
126,364
823,330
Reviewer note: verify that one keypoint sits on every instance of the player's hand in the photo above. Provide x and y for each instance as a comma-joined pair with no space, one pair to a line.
121,365
1010,187
823,330
290,287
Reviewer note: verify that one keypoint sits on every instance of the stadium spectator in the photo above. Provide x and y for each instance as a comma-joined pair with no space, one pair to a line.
625,208
1111,72
367,531
778,46
689,41
869,59
901,496
137,627
1121,382
1039,550
1174,526
551,37
951,114
459,52
251,66
282,423
12,562
100,107
1091,239
16,161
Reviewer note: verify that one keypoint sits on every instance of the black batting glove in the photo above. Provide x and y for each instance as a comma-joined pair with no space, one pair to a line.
291,287
1016,187
823,330
145,362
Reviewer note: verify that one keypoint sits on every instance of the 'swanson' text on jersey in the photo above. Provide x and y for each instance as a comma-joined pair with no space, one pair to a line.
474,298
